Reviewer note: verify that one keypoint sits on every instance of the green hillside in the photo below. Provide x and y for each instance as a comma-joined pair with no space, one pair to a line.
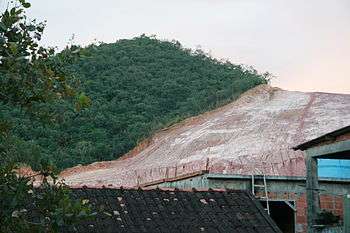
136,86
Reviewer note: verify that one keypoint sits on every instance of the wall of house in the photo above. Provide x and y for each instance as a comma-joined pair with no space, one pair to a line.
339,138
343,137
333,203
279,188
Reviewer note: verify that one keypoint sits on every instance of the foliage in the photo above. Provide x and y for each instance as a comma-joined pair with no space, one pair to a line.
46,209
30,78
325,217
137,87
29,72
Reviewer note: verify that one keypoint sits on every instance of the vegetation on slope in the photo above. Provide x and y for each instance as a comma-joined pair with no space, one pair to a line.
136,86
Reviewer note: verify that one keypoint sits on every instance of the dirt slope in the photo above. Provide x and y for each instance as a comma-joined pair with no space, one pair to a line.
251,135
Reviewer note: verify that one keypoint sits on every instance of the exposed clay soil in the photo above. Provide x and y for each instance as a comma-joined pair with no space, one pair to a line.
251,135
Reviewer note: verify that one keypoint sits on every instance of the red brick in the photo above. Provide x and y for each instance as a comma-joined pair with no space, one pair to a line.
338,205
301,211
302,198
326,198
283,196
272,195
338,199
327,205
301,219
301,203
338,212
343,137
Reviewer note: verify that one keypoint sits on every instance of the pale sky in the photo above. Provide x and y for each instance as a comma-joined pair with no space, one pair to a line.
305,44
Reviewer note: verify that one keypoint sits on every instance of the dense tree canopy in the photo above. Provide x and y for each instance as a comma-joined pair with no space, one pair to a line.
136,86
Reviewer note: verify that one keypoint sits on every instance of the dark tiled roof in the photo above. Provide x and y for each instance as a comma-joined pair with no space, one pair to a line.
160,211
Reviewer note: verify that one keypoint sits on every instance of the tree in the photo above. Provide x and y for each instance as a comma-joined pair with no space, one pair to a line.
30,75
44,209
29,72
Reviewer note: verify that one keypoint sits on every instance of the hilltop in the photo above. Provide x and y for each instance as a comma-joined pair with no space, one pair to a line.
137,87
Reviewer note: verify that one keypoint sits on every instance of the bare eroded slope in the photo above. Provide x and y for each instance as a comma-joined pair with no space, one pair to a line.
251,135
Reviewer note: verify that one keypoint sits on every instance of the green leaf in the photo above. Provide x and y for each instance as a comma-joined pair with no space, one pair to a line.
82,102
13,47
2,40
22,26
26,5
13,11
3,26
31,28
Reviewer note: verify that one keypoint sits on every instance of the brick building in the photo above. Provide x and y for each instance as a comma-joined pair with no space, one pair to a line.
286,194
332,146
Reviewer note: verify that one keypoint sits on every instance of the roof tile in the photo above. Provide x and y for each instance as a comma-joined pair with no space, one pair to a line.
138,210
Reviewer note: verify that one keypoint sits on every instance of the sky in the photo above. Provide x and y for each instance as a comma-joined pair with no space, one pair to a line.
304,44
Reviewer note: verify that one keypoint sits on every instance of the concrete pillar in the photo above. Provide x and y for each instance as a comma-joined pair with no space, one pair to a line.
312,195
347,213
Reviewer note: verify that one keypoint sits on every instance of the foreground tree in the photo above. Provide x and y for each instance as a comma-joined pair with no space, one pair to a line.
44,209
30,77
29,72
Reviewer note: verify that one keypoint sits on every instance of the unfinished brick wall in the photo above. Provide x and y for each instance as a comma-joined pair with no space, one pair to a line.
331,203
301,216
343,137
339,138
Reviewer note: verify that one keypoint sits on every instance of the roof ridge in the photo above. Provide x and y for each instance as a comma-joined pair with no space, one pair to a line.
158,188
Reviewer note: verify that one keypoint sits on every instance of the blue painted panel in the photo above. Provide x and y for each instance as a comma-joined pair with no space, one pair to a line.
334,168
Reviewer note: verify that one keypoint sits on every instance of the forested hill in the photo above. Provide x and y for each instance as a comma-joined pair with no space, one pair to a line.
136,86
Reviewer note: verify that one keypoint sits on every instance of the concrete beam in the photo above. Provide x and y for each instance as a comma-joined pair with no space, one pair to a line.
219,176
